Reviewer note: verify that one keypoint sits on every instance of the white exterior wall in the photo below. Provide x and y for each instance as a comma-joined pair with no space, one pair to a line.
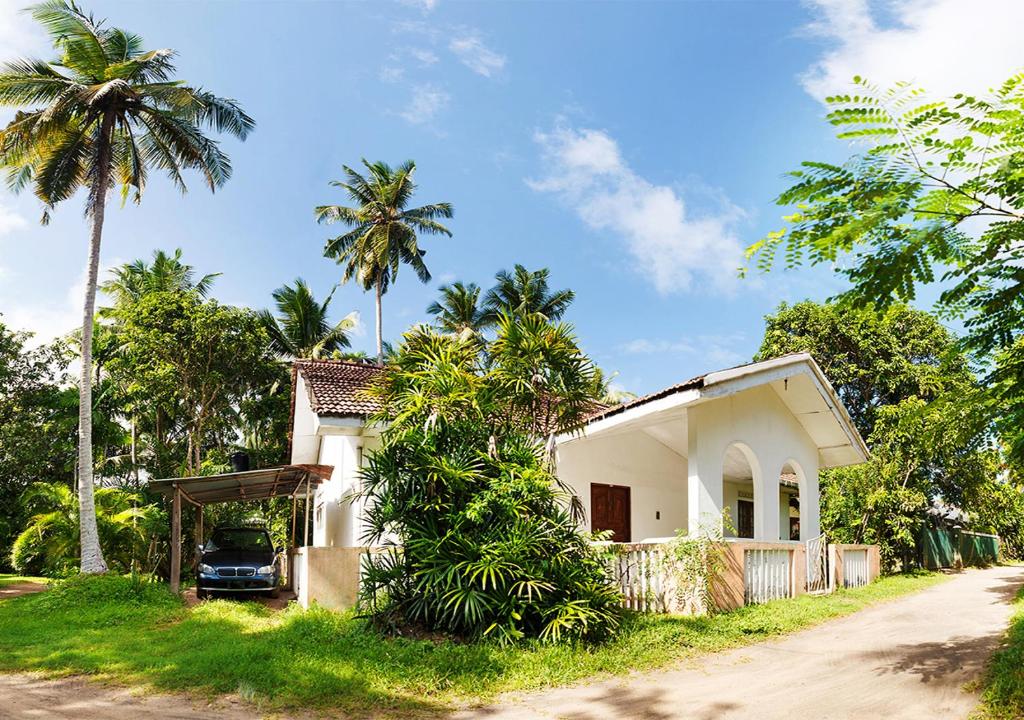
759,423
305,441
655,475
337,516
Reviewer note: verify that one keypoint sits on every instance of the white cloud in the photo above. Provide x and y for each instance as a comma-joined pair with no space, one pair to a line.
425,57
59,315
424,5
670,246
425,104
391,73
10,220
716,350
471,52
20,35
944,46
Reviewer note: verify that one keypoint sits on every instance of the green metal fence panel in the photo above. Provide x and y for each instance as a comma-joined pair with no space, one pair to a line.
942,548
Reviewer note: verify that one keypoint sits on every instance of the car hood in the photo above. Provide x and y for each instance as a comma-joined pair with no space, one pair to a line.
241,558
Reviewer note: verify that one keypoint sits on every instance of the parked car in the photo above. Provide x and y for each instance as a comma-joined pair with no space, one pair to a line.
238,560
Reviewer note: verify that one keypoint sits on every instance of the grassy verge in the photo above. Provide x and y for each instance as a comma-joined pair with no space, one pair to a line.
1003,686
6,579
140,635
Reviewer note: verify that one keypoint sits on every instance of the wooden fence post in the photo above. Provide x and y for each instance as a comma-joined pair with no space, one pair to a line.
176,541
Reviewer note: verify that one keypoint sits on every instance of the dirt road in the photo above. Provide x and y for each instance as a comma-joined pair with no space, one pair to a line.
906,659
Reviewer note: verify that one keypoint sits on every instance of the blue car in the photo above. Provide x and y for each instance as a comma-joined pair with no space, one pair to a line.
238,560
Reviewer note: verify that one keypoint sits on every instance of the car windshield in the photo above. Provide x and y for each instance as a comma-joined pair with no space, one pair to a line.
240,539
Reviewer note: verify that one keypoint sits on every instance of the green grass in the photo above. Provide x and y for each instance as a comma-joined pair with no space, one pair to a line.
1003,685
6,579
138,634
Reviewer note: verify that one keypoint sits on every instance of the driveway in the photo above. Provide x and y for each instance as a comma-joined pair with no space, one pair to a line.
904,659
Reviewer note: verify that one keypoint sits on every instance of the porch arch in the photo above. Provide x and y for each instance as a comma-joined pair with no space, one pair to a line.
742,487
793,472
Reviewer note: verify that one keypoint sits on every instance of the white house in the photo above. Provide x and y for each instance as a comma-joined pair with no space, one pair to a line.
748,441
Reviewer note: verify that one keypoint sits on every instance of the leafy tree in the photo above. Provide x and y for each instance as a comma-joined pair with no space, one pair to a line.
301,328
49,545
102,115
384,230
37,425
458,309
524,292
934,197
872,357
195,359
462,483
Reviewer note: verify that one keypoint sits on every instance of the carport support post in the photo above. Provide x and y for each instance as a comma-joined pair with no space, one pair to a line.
305,520
176,541
199,529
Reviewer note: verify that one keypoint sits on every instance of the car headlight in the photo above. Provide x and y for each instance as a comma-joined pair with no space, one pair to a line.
206,569
266,570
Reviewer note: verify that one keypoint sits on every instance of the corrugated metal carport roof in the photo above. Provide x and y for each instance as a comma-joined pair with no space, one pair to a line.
284,481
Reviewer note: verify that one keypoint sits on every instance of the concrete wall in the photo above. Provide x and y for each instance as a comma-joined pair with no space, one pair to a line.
655,475
327,576
758,423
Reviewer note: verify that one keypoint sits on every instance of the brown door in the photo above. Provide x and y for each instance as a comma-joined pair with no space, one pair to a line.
609,510
744,519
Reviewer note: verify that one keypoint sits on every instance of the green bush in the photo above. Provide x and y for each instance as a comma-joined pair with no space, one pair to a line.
109,589
482,537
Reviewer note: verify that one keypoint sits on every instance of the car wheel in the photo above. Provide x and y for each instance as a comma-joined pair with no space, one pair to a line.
202,594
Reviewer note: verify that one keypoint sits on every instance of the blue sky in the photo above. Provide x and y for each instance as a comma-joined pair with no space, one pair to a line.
633,148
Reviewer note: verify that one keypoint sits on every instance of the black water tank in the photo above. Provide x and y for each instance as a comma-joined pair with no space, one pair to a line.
239,461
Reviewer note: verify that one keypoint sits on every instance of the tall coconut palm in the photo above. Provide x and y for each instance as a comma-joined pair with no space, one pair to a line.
458,309
301,329
103,114
167,273
524,292
384,230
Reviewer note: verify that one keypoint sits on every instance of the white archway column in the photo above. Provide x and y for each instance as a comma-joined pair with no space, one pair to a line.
766,504
704,477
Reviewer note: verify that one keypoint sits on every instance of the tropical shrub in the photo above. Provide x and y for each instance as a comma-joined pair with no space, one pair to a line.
480,537
49,545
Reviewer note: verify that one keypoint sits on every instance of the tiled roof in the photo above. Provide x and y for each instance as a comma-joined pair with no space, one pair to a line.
335,387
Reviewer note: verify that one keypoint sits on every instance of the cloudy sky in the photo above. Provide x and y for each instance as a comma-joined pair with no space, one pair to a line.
635,149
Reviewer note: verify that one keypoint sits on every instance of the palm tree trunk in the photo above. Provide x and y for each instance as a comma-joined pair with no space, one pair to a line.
92,553
380,326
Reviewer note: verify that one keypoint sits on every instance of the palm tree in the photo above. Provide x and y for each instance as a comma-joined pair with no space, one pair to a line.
131,281
522,292
458,310
101,115
384,231
301,329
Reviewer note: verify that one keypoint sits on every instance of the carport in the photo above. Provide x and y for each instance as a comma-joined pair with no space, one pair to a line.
294,481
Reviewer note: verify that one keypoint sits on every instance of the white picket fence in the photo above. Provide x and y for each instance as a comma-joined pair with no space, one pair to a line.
767,575
639,571
855,568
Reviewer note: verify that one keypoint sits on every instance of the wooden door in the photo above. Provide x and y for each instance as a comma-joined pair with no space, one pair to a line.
609,510
745,518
